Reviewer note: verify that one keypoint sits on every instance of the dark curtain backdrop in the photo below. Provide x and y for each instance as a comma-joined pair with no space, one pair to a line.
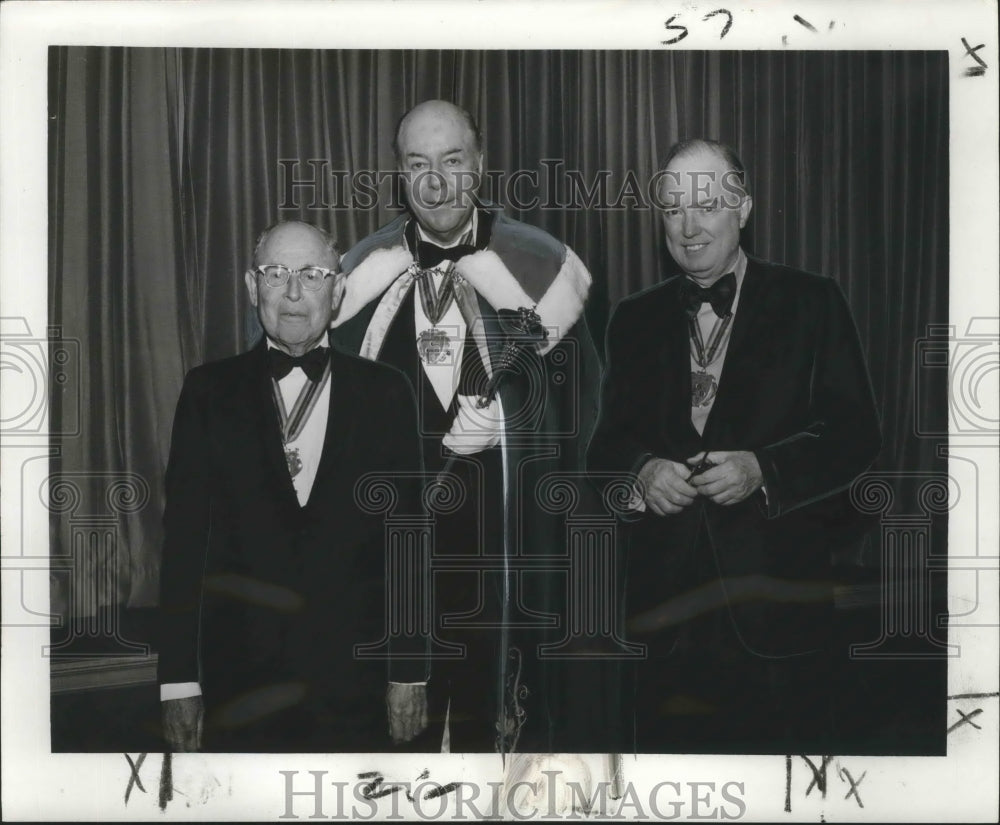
165,164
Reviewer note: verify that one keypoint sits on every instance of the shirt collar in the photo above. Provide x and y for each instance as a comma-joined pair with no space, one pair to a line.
272,345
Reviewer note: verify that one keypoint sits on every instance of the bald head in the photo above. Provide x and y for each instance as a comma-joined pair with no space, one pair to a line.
437,111
297,234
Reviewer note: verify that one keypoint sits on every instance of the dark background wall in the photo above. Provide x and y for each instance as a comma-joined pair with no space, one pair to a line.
166,163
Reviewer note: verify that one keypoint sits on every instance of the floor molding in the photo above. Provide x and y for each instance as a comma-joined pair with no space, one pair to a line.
101,672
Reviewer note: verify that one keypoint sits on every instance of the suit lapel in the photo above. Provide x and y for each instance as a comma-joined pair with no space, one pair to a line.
739,372
268,426
340,419
675,366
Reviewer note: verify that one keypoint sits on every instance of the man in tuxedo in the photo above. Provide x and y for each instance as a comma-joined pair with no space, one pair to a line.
484,314
738,394
272,574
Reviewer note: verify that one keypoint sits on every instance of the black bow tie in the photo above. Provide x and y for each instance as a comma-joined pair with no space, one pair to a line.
312,363
720,295
430,254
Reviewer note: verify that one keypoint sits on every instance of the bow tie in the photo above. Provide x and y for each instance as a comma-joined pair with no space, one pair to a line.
720,295
312,363
430,254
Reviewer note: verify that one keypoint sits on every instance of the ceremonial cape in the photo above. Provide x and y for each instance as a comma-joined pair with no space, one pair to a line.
549,405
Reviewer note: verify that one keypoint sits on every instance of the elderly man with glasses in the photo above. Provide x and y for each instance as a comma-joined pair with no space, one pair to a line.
272,575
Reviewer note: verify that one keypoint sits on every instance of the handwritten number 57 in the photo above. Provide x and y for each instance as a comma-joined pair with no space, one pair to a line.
683,30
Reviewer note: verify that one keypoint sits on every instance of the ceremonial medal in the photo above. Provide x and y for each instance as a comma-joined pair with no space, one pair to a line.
703,385
294,460
434,346
703,388
292,423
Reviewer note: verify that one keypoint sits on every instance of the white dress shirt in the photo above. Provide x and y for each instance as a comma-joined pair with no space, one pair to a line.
310,441
706,320
473,429
444,376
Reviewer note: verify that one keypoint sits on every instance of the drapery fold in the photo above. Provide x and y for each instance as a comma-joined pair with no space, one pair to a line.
165,164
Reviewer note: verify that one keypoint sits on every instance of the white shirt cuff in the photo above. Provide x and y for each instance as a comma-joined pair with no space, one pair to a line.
636,502
179,690
474,429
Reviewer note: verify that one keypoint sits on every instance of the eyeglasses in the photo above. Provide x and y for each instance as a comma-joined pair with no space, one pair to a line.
310,277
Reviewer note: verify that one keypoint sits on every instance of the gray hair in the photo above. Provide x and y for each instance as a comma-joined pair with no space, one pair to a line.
721,150
328,239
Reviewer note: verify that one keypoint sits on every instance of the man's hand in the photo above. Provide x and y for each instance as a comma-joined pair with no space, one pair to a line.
665,486
182,722
407,705
734,476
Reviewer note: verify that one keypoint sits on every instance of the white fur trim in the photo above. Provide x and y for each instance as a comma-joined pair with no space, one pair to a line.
559,308
369,279
562,304
490,277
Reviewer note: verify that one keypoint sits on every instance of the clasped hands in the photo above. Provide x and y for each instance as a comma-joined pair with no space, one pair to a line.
670,486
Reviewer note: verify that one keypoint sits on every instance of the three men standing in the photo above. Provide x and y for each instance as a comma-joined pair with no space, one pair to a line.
736,394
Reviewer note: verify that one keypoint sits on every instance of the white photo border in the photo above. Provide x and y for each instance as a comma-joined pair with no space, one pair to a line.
36,784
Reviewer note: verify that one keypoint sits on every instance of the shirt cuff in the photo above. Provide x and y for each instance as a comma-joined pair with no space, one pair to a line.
474,429
636,503
179,690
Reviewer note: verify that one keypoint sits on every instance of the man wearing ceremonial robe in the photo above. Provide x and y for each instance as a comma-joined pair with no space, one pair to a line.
484,314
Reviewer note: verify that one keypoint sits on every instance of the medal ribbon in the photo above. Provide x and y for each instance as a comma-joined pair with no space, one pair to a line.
292,423
704,385
715,339
435,303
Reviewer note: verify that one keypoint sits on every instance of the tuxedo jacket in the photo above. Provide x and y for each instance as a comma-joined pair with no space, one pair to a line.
795,390
263,600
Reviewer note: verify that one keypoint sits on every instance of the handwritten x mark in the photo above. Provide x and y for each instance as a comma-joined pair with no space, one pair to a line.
134,779
854,785
970,51
819,774
965,720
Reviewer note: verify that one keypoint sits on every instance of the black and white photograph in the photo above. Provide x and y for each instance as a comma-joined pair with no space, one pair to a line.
445,411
